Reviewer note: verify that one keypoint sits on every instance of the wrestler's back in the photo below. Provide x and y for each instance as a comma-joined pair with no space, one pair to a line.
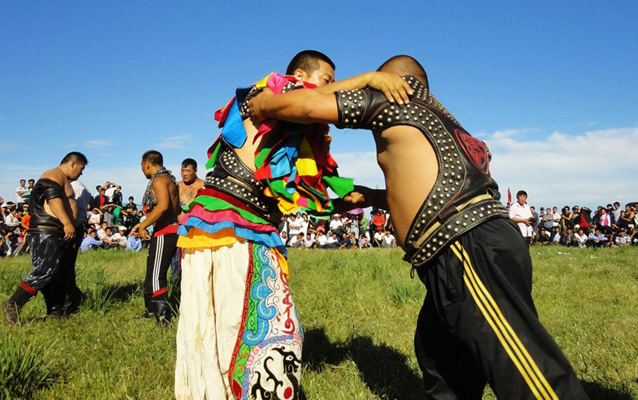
410,168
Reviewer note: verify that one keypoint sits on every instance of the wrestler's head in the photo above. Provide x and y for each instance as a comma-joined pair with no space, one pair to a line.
189,171
405,65
313,67
72,165
152,160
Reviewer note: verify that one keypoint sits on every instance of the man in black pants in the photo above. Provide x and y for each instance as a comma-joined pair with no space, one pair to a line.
162,199
478,323
53,241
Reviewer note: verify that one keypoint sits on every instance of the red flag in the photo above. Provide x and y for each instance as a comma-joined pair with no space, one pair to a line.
509,196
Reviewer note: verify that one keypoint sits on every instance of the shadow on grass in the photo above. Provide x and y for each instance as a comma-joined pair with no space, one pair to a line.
124,293
384,370
596,391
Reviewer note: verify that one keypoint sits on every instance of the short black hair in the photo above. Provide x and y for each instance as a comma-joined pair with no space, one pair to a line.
406,65
154,157
521,193
75,156
191,162
131,198
307,61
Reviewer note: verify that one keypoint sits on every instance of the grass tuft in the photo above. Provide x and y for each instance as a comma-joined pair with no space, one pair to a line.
22,371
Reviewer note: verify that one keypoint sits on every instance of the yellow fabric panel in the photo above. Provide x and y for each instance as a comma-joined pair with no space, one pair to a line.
198,238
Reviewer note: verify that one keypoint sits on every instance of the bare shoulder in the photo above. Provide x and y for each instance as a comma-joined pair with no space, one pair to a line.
55,175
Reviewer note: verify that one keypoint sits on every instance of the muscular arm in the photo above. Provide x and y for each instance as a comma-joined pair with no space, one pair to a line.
304,106
307,106
160,188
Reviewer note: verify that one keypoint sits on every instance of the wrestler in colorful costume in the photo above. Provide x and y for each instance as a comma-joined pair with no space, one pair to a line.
161,251
239,335
478,323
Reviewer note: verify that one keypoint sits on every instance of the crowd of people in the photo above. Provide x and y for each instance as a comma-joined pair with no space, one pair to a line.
348,231
610,226
106,221
108,224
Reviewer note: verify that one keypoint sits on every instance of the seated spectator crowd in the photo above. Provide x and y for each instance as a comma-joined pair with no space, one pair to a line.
107,220
351,230
610,226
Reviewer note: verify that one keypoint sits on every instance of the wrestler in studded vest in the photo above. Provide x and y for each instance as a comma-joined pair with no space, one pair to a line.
464,194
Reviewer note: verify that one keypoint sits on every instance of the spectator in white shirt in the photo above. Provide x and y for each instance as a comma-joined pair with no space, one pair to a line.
522,215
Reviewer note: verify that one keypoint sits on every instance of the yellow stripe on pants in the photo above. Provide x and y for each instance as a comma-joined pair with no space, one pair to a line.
503,330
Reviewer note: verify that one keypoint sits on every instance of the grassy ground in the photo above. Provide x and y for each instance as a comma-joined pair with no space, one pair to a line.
358,309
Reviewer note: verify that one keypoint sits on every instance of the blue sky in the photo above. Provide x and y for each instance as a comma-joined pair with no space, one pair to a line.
550,86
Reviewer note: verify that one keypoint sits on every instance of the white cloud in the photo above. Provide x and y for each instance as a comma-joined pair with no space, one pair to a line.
174,142
96,144
592,168
362,166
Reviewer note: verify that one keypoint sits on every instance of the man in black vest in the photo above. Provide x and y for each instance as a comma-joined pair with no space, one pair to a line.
54,242
478,323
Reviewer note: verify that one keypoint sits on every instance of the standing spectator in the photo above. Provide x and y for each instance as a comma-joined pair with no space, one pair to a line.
521,213
294,225
555,217
95,218
110,189
548,219
534,219
626,220
604,222
585,218
82,199
566,219
575,216
616,211
378,221
21,191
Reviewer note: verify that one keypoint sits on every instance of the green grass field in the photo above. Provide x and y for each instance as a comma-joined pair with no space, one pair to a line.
358,309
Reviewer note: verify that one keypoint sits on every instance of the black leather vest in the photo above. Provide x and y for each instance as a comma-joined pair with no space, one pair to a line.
464,194
231,176
44,189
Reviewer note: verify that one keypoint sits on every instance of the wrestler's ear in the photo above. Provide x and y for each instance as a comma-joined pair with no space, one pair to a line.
300,74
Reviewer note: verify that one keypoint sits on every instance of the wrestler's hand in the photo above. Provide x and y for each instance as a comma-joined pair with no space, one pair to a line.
255,106
69,231
393,86
355,198
143,233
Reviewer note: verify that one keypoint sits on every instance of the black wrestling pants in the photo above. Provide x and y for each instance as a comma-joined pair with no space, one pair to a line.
161,251
479,324
53,259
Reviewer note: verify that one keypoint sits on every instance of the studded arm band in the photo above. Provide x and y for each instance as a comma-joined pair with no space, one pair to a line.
352,106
